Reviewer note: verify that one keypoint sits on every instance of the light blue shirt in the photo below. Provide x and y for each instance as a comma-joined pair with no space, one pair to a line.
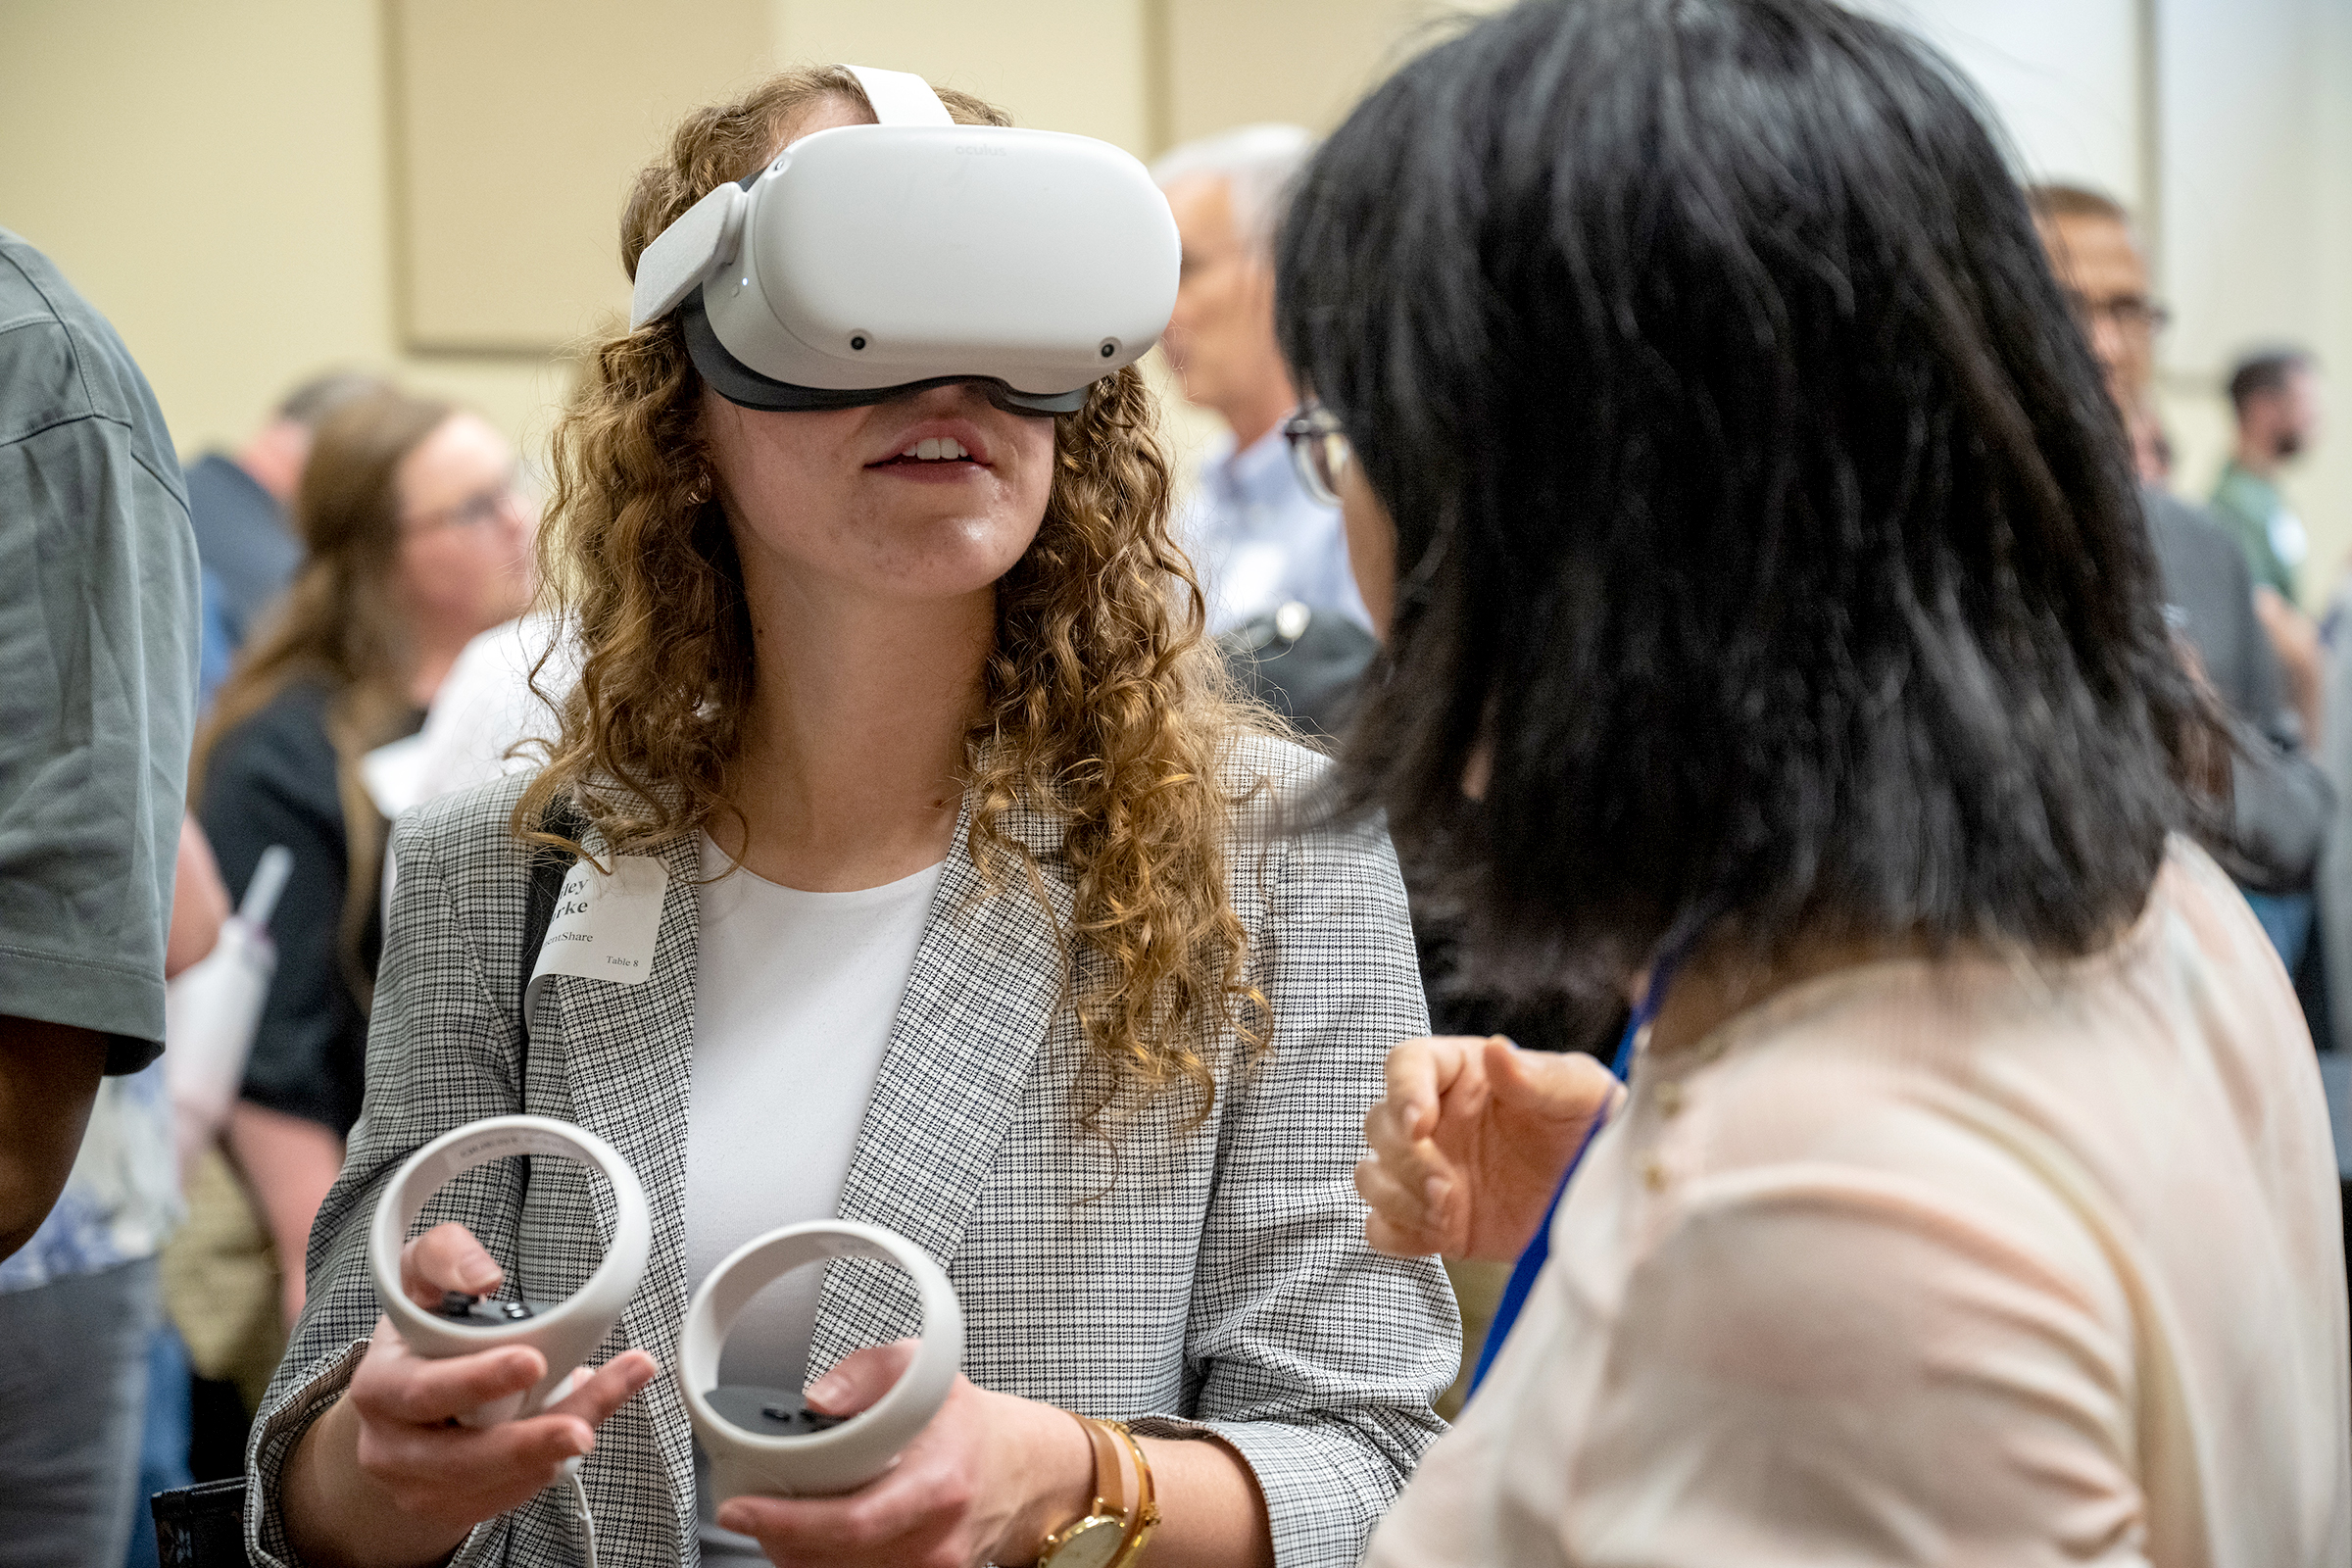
1260,540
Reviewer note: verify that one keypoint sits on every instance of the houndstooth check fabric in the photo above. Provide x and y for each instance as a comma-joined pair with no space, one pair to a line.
1204,1279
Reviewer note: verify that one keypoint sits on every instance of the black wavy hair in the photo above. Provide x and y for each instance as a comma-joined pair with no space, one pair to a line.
1761,515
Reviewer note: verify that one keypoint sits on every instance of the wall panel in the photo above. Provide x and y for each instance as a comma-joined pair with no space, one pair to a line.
1057,65
517,128
1237,62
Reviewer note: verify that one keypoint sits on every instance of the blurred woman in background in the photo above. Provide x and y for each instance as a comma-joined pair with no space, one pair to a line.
416,540
1776,637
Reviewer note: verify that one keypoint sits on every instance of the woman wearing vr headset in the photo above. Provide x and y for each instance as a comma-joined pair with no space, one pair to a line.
913,692
1778,640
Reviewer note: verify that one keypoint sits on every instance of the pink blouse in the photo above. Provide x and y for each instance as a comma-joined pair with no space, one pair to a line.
1940,1262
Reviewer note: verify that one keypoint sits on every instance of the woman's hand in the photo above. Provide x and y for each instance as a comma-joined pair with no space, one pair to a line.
1470,1142
387,1477
984,1481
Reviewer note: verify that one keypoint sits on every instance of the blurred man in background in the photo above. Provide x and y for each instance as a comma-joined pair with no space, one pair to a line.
237,502
2281,802
1260,540
2276,399
98,639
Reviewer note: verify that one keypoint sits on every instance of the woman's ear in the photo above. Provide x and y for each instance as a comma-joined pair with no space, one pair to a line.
1479,772
1371,547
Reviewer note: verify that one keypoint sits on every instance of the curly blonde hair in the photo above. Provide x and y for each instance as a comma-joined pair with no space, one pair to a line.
1105,705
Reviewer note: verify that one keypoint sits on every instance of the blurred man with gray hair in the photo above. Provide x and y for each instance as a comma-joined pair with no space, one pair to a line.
1266,548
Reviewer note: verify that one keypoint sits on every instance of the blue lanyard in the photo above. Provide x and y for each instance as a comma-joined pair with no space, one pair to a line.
1539,1251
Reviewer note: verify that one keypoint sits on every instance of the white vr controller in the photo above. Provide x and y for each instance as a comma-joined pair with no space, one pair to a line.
760,1439
764,1442
564,1332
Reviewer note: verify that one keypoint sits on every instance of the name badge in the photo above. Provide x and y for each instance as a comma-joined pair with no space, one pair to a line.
604,925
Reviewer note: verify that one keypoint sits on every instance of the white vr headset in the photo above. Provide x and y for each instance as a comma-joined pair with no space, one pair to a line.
868,262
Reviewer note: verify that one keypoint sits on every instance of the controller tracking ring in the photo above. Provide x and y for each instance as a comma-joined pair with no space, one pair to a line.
566,1332
843,1456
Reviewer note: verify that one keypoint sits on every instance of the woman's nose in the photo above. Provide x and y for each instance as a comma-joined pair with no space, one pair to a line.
965,398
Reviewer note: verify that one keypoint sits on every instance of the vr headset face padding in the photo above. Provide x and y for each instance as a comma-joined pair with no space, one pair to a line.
868,262
746,388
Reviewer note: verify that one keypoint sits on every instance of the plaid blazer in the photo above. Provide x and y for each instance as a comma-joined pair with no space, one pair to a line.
1204,1279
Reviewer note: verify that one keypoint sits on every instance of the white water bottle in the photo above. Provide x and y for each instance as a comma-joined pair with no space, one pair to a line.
212,1010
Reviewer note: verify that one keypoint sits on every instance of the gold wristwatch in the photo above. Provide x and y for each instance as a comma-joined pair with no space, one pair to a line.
1095,1539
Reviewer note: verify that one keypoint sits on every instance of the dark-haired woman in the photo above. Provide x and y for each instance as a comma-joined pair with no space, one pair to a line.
1776,639
415,541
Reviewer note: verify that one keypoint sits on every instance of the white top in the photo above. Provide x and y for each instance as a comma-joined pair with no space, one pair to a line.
795,994
1939,1263
484,708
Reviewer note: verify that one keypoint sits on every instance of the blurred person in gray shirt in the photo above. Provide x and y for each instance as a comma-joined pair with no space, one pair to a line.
2281,802
98,636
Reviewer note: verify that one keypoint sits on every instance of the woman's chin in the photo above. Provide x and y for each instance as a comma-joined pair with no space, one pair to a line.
939,557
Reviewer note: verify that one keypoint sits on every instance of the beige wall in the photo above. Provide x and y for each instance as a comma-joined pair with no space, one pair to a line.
223,178
514,132
1232,62
212,176
2255,108
2226,124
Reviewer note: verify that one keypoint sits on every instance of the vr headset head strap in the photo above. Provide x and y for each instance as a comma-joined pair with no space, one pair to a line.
901,97
683,255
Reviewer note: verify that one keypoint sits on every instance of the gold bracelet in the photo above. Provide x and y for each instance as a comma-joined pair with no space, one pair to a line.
1146,1518
1098,1538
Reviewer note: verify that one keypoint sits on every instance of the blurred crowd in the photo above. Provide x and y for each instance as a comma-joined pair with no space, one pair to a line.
365,578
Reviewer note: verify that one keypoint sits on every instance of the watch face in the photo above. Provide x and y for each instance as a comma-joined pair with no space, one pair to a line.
1088,1544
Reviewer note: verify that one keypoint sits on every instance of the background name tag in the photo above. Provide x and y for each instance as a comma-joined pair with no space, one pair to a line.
604,926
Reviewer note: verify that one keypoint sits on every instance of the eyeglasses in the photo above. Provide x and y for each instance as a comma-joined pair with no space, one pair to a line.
2133,313
1319,451
477,511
